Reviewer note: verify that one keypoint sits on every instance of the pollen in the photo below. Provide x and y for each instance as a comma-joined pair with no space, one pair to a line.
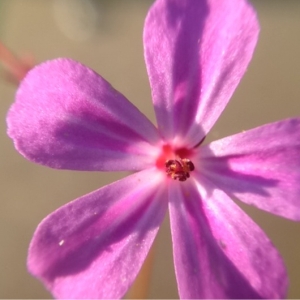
179,168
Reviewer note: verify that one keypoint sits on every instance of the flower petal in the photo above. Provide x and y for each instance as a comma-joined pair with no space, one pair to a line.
68,117
260,167
219,252
94,246
196,53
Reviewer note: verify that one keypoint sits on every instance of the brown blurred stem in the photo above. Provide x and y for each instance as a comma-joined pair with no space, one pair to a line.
16,67
140,288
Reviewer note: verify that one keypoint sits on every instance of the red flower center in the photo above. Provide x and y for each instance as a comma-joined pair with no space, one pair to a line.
175,162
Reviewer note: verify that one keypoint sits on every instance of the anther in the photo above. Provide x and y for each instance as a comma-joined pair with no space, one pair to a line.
179,168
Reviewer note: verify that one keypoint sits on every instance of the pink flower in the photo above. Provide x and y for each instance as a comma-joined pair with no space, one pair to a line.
68,117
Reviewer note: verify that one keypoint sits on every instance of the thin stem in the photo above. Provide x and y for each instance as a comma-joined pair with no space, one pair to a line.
140,288
16,67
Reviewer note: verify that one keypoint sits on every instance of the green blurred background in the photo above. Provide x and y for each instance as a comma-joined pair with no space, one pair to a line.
107,36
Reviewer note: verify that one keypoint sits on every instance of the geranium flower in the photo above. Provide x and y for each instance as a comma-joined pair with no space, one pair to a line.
68,117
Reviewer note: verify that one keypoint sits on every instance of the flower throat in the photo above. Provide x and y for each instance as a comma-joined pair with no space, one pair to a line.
175,162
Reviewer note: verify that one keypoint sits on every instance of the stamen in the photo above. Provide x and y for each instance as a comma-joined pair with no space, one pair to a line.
179,168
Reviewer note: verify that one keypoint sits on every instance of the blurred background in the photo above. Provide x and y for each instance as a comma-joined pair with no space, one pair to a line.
107,36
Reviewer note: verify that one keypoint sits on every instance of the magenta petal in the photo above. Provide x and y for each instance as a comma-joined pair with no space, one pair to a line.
94,246
196,53
219,252
261,167
67,116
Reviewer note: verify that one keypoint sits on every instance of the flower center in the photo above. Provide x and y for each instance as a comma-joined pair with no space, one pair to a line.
179,168
175,162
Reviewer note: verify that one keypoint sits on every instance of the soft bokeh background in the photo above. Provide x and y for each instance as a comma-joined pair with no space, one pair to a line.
107,36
